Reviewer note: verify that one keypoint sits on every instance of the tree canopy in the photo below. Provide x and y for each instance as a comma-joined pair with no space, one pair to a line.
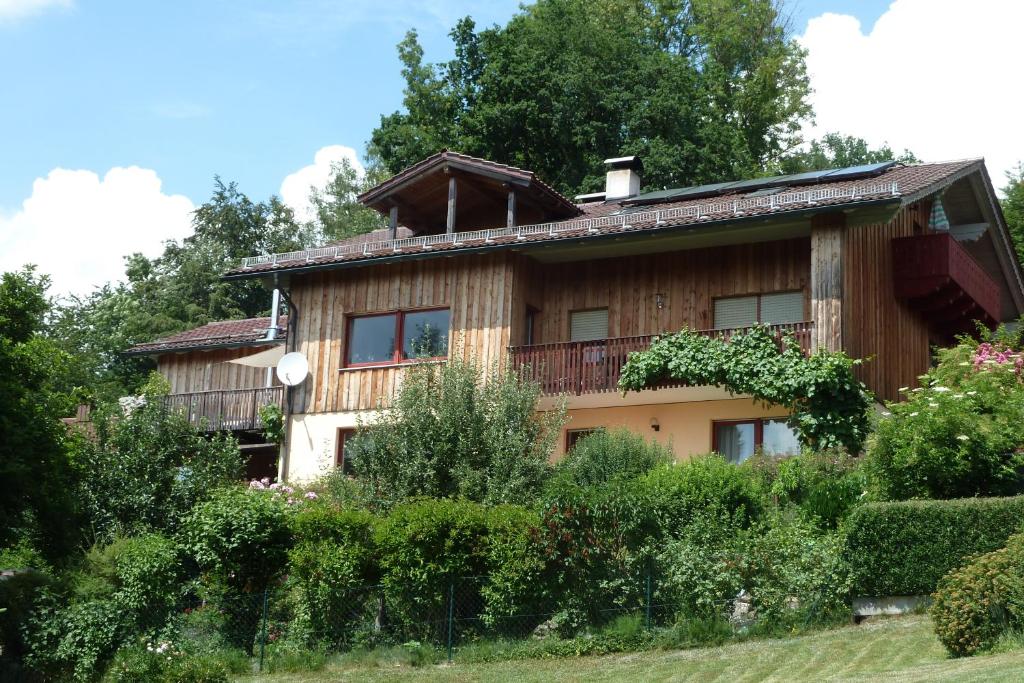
834,150
1013,207
702,90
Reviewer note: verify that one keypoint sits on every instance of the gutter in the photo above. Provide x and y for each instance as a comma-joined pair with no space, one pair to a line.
204,347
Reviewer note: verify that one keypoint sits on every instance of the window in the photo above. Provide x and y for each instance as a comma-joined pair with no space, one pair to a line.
777,308
394,337
342,454
574,435
588,325
532,332
738,439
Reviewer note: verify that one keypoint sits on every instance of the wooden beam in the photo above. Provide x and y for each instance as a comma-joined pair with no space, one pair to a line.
450,225
510,217
393,221
827,236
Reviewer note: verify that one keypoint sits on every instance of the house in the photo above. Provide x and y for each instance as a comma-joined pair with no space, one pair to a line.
221,376
485,261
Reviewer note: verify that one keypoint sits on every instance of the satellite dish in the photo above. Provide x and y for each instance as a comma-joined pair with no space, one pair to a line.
292,369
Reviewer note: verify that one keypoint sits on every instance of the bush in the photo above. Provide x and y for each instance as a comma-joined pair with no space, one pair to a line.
451,434
976,604
149,576
19,595
516,571
606,455
76,642
161,662
957,437
904,548
824,486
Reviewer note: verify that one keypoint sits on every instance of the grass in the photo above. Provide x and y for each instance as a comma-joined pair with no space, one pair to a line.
897,649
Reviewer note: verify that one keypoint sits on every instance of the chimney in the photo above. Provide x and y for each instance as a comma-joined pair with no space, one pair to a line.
623,179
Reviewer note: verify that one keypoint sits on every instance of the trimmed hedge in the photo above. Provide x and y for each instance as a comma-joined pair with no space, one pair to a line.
904,548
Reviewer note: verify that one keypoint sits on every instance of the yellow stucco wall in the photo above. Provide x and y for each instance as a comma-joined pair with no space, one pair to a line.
686,426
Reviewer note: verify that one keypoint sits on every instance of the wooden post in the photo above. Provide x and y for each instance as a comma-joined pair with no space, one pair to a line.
393,221
451,205
510,218
827,233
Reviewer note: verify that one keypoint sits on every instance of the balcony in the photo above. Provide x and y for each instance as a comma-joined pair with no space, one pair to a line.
936,276
589,367
231,410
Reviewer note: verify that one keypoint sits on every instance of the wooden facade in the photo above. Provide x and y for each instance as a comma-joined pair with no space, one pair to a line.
196,370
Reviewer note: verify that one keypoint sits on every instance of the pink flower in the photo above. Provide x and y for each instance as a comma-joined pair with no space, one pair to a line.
311,495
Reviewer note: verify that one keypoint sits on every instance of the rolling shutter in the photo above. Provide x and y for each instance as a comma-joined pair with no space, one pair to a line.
736,311
588,325
784,307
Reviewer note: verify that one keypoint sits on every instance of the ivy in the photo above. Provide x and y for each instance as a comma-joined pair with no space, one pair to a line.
828,406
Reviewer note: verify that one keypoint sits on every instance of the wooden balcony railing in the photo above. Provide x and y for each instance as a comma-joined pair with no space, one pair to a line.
229,410
594,366
941,280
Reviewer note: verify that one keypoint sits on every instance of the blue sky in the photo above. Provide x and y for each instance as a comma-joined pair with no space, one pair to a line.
252,90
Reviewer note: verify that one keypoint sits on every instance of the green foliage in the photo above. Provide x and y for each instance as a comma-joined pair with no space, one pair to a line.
149,575
904,548
827,404
1013,207
451,432
700,571
516,568
824,486
37,507
148,470
162,663
840,151
338,213
76,642
19,595
240,538
703,91
976,604
272,419
605,455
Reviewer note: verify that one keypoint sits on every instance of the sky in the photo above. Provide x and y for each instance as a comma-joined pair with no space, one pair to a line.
116,116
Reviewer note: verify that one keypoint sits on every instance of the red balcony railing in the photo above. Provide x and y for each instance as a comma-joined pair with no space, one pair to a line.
937,275
594,366
228,410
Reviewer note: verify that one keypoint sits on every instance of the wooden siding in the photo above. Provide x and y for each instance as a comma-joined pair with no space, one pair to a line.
476,288
689,281
877,327
209,370
827,237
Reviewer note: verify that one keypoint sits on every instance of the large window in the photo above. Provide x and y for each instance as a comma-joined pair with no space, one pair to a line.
737,440
777,308
396,337
588,325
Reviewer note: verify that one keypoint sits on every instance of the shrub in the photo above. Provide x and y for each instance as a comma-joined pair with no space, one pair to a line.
149,576
606,455
955,439
516,571
161,662
19,595
975,604
449,433
824,486
904,548
77,641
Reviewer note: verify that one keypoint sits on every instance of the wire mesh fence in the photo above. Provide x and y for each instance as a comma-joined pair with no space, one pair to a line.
446,616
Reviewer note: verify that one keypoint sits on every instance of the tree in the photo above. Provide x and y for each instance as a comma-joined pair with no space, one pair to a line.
338,213
703,90
36,508
840,151
1013,207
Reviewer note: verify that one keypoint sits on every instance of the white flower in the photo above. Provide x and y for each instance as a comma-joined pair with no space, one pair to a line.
917,389
886,413
933,405
941,390
902,389
964,437
971,393
958,395
914,414
965,363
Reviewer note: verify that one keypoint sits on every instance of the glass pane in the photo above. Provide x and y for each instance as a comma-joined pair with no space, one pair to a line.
426,334
779,439
735,441
372,339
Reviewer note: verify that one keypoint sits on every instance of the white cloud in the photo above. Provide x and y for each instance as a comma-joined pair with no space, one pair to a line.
11,10
78,227
937,77
295,188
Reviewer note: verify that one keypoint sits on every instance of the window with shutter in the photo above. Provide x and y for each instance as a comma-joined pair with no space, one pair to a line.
736,311
588,325
783,307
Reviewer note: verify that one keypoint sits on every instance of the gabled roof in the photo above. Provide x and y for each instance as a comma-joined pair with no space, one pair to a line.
216,335
898,186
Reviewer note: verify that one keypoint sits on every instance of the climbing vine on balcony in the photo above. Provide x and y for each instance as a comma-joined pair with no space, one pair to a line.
828,405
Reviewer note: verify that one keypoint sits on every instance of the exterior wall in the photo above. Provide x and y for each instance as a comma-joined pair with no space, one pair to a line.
210,370
689,281
684,426
877,326
312,442
476,288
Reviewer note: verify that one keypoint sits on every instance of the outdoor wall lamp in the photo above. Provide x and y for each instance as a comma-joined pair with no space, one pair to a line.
655,425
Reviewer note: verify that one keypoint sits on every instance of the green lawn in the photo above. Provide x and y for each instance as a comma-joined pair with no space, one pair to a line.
898,649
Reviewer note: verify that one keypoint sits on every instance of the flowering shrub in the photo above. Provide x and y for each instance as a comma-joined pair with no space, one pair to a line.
960,434
975,604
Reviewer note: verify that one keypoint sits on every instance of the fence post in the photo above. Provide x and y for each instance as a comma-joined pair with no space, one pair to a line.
451,618
647,598
263,634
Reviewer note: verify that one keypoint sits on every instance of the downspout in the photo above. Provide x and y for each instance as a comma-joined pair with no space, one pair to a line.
272,329
289,345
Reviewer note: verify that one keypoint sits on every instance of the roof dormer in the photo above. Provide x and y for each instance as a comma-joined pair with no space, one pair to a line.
452,192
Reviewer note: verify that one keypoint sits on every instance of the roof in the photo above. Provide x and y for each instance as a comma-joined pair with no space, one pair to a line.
899,184
220,334
446,158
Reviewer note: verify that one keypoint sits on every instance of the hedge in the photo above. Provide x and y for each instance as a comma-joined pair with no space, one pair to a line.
904,548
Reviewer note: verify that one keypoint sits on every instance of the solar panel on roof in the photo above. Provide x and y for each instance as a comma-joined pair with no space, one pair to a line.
858,171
